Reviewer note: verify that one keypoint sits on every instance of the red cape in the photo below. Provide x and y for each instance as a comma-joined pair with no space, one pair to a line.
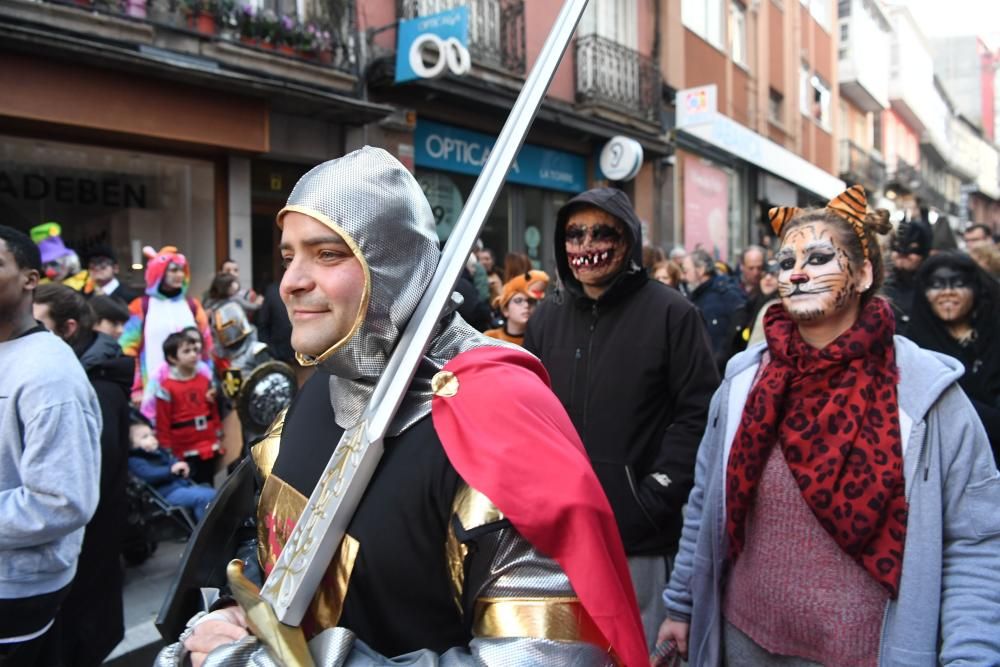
509,437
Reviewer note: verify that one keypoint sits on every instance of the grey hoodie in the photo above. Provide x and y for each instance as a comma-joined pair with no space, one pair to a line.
948,609
50,461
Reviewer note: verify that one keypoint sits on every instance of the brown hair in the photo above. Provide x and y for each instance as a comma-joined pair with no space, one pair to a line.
673,271
221,284
876,222
66,304
515,264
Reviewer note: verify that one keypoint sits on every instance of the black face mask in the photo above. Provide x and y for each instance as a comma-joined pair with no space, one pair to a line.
948,278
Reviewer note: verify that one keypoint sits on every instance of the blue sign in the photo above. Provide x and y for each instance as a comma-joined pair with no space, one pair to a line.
439,146
453,23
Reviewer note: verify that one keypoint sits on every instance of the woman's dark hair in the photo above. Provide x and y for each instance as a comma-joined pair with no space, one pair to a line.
985,290
876,222
65,304
106,308
219,291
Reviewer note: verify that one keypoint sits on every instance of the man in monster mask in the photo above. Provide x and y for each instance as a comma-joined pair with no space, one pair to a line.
631,362
483,535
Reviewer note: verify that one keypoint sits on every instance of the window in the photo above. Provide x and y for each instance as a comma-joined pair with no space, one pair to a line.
775,110
804,89
738,33
820,10
704,18
820,101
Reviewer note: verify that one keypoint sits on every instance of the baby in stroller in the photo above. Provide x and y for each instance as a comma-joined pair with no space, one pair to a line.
160,469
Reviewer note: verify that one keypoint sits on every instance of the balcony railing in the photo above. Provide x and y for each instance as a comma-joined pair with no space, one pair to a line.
906,175
859,165
611,75
324,38
496,29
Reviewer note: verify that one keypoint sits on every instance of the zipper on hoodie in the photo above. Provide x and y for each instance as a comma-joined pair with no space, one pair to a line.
590,349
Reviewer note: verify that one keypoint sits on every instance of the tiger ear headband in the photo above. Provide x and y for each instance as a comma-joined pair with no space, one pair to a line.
851,205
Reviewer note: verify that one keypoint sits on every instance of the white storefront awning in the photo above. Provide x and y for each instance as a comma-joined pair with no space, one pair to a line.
697,117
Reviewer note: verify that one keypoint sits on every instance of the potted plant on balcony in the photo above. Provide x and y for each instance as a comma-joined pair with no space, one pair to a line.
267,28
202,15
247,24
288,36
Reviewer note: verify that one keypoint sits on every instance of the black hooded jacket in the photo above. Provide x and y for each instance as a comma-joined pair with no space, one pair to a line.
634,370
980,356
92,616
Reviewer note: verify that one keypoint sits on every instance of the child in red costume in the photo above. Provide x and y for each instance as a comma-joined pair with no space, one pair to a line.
187,421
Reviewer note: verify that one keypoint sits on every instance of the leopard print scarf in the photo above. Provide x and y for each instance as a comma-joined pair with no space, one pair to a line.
835,414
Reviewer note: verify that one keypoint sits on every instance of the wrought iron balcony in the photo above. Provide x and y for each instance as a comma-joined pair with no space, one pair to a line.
860,166
496,29
611,75
906,175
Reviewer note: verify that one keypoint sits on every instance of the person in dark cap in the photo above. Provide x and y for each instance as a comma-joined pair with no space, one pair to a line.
102,276
911,248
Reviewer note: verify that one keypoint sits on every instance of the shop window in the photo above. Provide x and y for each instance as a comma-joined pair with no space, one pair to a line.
704,18
738,34
775,107
124,199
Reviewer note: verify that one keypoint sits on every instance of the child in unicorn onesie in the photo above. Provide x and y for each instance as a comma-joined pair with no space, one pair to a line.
163,309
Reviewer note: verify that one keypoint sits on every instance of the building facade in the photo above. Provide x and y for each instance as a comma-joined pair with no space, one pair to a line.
756,115
142,123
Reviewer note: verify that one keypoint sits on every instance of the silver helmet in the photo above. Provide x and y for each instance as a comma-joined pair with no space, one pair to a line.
373,202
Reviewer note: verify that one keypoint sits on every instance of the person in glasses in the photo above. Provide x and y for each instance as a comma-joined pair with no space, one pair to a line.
956,310
631,361
516,303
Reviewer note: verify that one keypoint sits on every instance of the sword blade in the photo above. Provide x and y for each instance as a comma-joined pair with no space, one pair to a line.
306,555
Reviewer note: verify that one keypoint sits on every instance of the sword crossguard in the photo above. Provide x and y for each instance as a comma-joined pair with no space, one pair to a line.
286,644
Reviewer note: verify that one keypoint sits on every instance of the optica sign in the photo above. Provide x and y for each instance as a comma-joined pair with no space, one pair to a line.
448,148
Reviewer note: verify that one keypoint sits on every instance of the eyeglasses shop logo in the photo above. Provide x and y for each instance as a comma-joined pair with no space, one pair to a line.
461,151
107,191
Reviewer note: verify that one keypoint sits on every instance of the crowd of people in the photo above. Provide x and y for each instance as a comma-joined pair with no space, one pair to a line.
787,461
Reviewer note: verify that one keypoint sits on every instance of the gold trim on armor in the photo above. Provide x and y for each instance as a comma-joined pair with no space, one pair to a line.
444,384
352,244
474,509
456,553
559,619
280,506
265,452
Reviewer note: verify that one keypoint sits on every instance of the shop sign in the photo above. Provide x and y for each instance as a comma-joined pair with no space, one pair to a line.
449,148
621,159
695,104
442,37
108,191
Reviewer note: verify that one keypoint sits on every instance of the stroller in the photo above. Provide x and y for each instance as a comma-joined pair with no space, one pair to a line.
151,520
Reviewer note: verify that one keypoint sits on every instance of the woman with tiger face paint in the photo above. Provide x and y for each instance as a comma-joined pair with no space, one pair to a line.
837,520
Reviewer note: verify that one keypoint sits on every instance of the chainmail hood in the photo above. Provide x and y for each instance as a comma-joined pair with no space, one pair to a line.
373,202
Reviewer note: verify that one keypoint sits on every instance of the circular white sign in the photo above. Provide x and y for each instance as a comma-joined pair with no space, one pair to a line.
532,237
621,158
450,53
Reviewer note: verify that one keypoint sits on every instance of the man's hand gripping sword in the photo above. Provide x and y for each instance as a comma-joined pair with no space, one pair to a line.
288,591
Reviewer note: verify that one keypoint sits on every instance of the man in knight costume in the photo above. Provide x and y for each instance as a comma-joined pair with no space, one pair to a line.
483,536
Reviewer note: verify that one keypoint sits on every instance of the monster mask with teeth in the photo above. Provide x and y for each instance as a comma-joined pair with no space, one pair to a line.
596,248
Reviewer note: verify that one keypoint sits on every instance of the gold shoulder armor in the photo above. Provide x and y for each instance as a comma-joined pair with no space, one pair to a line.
265,452
474,509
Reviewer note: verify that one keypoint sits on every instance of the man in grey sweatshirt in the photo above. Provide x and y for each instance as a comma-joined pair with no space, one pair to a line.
50,428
